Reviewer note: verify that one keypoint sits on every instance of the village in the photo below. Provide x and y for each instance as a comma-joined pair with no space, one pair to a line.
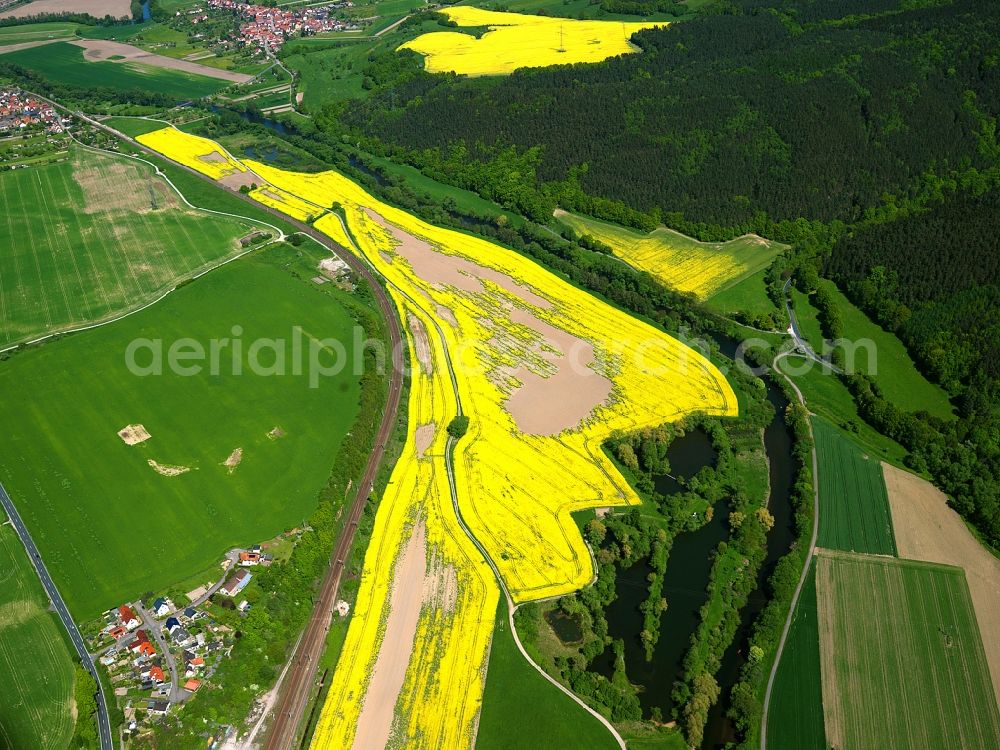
20,111
159,653
270,27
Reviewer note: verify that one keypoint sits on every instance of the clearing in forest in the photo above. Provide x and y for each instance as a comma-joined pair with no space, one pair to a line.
515,40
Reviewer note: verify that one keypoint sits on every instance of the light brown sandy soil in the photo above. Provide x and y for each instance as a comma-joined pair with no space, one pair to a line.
389,672
96,8
441,585
548,405
134,434
447,315
234,460
440,268
545,404
421,344
102,49
168,471
276,433
927,529
423,437
234,180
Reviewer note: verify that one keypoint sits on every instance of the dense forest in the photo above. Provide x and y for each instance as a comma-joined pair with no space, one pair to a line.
762,111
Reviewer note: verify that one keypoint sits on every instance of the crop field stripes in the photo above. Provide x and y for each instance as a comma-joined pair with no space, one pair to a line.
902,658
856,515
96,236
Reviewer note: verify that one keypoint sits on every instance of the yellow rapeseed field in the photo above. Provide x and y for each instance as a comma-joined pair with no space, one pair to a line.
545,373
701,268
516,41
200,154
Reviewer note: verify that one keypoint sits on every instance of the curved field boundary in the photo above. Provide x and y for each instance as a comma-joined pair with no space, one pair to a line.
280,236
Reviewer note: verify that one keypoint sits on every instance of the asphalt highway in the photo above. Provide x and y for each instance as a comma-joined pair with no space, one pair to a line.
103,722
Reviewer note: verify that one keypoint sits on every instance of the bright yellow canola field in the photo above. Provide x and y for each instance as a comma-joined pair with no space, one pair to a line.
192,151
505,327
520,41
681,262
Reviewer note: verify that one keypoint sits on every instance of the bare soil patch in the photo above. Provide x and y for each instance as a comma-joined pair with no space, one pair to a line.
421,343
214,157
276,433
447,315
96,8
546,403
453,270
389,672
549,404
134,434
927,529
424,437
234,180
167,470
234,460
102,49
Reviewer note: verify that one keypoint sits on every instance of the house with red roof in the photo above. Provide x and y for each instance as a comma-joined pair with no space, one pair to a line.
156,675
128,618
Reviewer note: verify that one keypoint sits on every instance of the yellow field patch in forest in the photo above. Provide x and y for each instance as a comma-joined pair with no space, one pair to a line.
681,262
515,40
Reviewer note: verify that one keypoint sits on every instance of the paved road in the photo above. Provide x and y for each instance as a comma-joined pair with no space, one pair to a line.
155,631
800,342
103,723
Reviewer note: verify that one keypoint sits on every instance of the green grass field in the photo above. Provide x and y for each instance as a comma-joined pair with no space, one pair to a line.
135,126
795,719
828,397
902,659
64,63
543,715
747,296
679,261
94,236
887,361
108,524
36,669
854,514
36,32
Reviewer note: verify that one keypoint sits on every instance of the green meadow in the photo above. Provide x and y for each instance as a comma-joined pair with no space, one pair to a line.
114,521
902,658
885,358
36,669
94,236
64,63
795,718
544,716
854,507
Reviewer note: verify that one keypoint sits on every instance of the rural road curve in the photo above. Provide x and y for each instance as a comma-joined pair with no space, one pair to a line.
796,333
805,568
103,722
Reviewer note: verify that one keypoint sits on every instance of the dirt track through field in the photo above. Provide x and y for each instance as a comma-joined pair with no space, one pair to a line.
375,721
927,529
102,49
